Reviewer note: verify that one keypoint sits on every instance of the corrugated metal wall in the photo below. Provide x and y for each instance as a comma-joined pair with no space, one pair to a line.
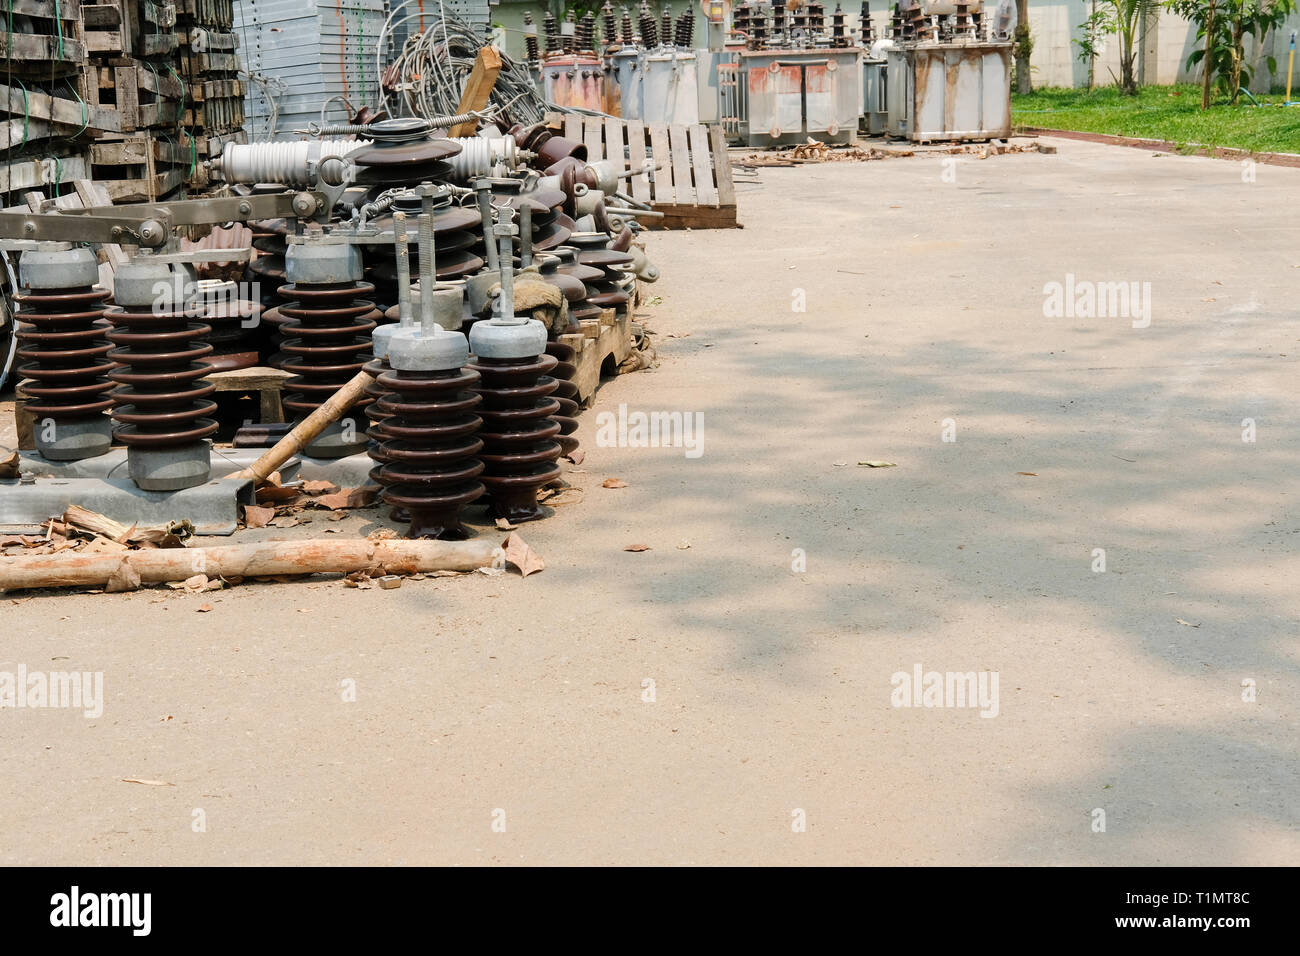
307,51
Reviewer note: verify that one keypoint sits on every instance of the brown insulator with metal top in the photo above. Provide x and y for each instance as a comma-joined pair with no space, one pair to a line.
758,30
162,405
552,31
585,38
838,36
649,30
685,29
232,321
865,30
427,446
62,345
665,25
608,24
629,37
327,327
778,18
569,33
530,38
519,434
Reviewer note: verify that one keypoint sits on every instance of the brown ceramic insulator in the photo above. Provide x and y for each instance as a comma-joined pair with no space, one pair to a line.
566,394
327,340
62,339
519,435
233,322
549,148
427,443
163,400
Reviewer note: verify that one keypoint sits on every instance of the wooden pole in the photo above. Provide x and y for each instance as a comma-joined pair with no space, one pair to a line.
477,88
306,431
392,556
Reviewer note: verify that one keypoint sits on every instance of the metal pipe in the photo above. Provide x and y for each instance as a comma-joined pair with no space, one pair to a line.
484,189
525,235
427,273
403,253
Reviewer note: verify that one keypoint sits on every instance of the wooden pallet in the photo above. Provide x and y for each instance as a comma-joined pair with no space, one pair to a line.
144,94
126,28
29,114
140,168
602,346
692,187
58,49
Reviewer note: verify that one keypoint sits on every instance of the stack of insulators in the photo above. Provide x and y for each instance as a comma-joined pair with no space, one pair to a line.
740,19
566,394
458,246
665,25
404,162
838,37
609,24
684,28
866,32
778,18
552,31
62,341
519,435
799,20
629,37
758,30
327,340
963,24
551,225
569,35
896,23
427,436
232,321
816,18
570,269
162,403
649,31
586,33
530,39
605,292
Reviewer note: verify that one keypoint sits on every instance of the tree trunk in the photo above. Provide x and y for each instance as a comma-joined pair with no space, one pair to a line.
1206,64
1023,84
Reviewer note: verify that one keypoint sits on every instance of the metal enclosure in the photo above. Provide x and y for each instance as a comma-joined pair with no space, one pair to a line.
623,92
949,91
574,80
783,97
669,87
875,107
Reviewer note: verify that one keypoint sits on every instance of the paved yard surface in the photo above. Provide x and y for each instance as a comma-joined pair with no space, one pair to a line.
924,312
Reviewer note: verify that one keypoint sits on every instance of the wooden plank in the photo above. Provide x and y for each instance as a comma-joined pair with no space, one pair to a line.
722,167
663,191
693,217
593,134
128,97
681,158
36,105
487,64
614,141
702,164
640,185
573,127
41,172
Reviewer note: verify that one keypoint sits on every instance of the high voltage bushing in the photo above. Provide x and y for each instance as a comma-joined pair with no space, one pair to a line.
896,23
740,19
63,343
232,321
864,24
292,164
629,37
816,17
530,39
569,32
327,336
685,29
427,434
649,31
665,25
758,30
552,31
519,436
778,18
586,33
162,406
609,24
838,37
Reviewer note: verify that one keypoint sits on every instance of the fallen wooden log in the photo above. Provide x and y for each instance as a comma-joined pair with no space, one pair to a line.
265,559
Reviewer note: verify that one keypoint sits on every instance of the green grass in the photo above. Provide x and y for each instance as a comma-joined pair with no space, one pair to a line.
1170,113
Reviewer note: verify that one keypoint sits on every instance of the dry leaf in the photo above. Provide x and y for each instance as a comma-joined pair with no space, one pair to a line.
382,534
613,483
1028,474
148,783
637,547
204,608
348,498
577,456
1186,623
569,496
683,545
359,580
523,557
9,465
255,517
491,572
505,525
878,464
319,487
285,521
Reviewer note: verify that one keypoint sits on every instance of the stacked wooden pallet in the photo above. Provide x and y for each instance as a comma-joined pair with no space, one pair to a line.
209,61
48,109
691,184
133,59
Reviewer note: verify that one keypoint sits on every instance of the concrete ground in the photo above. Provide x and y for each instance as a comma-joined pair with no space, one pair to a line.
1120,691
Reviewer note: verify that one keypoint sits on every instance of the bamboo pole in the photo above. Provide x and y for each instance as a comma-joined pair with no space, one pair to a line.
306,431
268,558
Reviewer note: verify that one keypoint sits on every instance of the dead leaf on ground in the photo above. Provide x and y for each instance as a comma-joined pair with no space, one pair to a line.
9,464
569,496
285,521
522,556
1186,623
577,456
255,517
505,525
319,487
1028,474
637,547
683,545
613,483
878,464
348,498
203,608
359,580
148,783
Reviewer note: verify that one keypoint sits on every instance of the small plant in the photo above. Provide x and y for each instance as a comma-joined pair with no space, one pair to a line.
1222,27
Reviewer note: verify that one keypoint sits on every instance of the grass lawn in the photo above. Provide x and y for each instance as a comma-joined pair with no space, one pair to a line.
1165,112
